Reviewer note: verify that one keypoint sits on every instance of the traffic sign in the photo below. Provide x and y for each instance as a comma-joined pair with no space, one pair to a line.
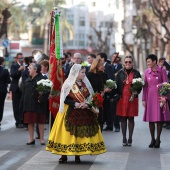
5,43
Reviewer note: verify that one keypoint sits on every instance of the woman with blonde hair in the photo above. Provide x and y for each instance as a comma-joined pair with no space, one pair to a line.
98,78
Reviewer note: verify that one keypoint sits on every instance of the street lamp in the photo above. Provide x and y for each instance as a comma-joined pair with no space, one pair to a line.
4,27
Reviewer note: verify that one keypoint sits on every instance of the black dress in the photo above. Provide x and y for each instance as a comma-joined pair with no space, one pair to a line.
98,80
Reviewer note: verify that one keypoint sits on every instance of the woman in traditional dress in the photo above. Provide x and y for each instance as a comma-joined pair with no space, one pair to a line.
126,109
76,130
154,75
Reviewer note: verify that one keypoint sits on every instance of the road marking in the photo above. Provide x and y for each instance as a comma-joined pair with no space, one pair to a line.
42,160
3,153
110,161
165,161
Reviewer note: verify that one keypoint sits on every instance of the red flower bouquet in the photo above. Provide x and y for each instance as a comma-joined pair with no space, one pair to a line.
95,100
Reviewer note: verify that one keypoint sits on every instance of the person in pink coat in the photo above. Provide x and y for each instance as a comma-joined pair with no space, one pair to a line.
153,113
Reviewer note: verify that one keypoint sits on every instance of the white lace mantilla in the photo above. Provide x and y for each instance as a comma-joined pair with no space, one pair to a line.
65,90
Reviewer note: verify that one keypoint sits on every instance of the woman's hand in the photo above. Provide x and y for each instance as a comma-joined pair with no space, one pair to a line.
107,90
50,96
162,100
135,92
77,105
83,106
143,103
102,93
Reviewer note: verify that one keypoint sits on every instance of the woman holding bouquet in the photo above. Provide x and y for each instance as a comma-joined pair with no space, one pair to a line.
154,76
76,130
33,104
125,108
98,79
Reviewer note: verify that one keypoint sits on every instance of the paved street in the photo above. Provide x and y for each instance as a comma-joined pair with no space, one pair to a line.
16,155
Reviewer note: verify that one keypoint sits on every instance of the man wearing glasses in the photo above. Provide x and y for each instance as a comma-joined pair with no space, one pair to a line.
77,59
15,73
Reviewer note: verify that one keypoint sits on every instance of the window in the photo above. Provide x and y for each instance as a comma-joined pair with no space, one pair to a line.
117,4
81,43
81,36
71,21
92,23
81,21
106,24
70,42
94,4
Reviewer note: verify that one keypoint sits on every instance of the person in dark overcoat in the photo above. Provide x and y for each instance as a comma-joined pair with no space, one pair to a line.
4,81
33,104
15,73
98,79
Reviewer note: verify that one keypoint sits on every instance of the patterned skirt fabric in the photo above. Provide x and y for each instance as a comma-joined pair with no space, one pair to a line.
64,139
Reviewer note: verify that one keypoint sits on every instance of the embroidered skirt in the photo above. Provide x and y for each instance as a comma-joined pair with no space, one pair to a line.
63,141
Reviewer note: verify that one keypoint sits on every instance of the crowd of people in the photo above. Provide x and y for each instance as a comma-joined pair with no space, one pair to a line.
77,129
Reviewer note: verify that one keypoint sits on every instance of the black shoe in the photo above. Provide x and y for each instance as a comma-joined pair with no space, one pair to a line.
108,129
31,143
151,145
117,130
125,142
157,144
129,142
77,159
63,159
19,125
168,127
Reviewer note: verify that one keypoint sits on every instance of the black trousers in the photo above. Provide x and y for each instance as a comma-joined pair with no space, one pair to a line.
16,97
2,101
110,116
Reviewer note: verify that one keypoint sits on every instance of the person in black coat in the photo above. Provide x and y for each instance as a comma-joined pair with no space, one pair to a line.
4,81
108,113
126,109
116,66
33,104
98,78
15,73
77,59
107,67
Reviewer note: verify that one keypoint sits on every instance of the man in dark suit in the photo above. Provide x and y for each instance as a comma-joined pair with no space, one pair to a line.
116,66
107,67
108,114
77,59
4,81
15,73
90,59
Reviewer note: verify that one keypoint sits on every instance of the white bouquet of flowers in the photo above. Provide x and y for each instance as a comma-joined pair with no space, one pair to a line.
111,84
137,85
44,86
